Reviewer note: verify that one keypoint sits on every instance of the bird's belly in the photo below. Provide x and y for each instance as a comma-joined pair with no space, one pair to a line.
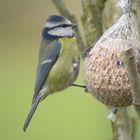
60,77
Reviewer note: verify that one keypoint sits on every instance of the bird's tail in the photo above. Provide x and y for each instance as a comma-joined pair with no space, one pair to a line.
31,113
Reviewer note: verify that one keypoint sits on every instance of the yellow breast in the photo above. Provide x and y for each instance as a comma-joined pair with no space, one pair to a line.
60,74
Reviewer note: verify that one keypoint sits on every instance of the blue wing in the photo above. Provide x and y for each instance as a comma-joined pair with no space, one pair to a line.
48,55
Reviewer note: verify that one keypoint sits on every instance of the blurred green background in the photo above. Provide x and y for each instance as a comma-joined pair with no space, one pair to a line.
68,115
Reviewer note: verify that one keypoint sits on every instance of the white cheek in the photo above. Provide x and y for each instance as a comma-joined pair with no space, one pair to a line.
68,32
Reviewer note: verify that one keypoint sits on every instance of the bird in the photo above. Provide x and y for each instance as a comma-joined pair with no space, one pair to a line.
58,63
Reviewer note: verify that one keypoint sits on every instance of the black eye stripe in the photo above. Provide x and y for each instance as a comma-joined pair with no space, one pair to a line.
62,25
66,25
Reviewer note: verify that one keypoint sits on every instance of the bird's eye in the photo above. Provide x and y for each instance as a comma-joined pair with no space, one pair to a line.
64,25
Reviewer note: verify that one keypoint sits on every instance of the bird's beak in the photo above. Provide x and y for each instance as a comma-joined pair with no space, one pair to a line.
74,25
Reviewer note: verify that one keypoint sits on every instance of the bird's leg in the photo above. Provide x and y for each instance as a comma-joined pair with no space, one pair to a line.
112,115
76,85
81,86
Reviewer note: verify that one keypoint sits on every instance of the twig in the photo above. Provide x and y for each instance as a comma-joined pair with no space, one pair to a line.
122,127
138,12
65,12
92,20
95,15
130,61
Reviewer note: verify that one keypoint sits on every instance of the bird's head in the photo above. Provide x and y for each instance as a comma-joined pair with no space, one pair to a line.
57,27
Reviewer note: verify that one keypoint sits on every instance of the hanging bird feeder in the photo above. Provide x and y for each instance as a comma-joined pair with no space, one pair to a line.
105,72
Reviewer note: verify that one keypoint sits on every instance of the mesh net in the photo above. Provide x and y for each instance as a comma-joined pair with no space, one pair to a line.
105,73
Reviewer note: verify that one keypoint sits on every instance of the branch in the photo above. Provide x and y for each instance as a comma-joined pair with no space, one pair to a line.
123,118
92,19
108,18
92,23
65,12
130,61
123,126
138,12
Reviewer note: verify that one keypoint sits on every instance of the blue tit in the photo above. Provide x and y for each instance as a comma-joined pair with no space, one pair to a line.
59,60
